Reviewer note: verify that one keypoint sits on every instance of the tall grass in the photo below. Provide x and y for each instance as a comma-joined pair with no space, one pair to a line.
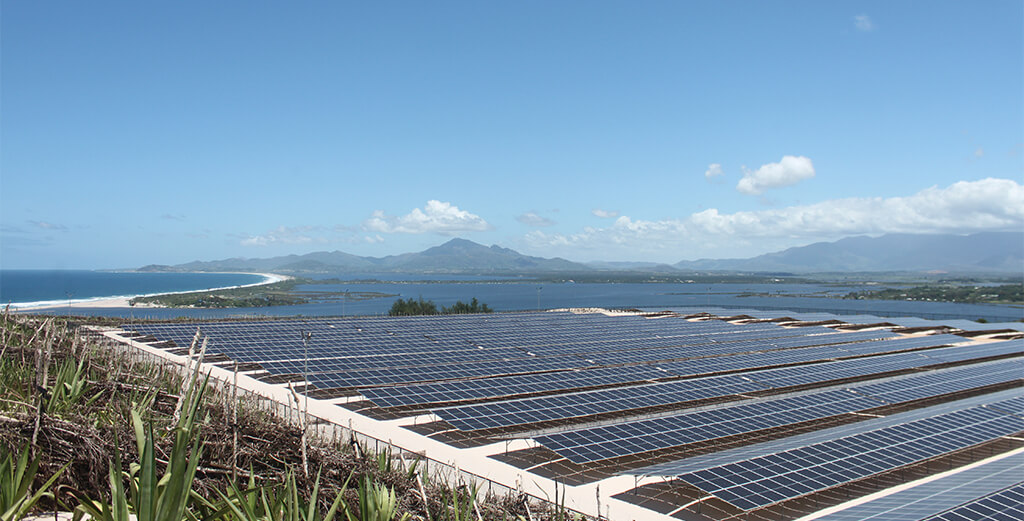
182,469
16,477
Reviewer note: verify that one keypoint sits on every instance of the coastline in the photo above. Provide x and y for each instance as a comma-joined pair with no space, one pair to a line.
122,301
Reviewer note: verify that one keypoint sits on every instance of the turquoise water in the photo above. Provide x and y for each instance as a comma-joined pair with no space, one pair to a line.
57,287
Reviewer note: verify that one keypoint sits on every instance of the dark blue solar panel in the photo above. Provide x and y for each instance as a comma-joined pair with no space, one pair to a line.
769,479
547,408
634,437
1004,505
463,390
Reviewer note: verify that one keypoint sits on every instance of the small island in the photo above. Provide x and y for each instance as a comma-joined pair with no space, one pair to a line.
969,294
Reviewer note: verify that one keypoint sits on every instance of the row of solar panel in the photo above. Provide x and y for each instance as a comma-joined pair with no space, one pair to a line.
406,333
769,479
991,490
510,413
343,362
251,343
535,384
451,367
628,438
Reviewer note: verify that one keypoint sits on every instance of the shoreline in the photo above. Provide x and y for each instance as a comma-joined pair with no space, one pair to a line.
122,301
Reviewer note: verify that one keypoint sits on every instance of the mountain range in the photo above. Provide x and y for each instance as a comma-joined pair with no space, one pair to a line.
454,256
990,252
980,252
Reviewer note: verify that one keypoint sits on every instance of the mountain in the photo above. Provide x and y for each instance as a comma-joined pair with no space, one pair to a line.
454,256
980,252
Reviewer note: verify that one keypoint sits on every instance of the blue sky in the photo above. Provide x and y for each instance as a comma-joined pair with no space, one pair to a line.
137,133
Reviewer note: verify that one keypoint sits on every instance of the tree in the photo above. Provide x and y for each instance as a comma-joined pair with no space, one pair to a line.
461,307
412,307
427,307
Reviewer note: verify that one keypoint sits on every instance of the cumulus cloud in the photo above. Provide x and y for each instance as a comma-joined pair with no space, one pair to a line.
714,170
533,219
436,217
284,235
605,214
863,23
963,207
790,171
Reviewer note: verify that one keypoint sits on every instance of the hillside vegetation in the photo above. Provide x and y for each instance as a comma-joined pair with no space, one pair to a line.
84,426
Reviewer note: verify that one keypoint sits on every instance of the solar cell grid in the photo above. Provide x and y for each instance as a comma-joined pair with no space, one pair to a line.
401,360
532,410
397,375
639,436
662,392
942,382
766,480
1004,505
960,353
423,394
744,453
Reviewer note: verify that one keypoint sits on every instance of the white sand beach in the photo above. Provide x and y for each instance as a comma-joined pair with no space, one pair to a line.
123,302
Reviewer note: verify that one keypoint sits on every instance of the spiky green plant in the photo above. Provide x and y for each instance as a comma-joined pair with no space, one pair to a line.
377,502
70,386
150,498
278,502
16,477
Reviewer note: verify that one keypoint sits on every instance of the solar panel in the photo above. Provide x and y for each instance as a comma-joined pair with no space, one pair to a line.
465,390
765,480
559,407
628,438
549,408
1004,505
929,499
623,439
746,452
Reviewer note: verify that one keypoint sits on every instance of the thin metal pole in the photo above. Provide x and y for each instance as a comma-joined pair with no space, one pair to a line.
306,336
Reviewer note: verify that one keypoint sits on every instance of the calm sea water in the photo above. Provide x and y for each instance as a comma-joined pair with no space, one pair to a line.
515,295
61,286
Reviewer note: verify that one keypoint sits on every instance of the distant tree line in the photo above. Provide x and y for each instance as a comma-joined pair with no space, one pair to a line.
427,307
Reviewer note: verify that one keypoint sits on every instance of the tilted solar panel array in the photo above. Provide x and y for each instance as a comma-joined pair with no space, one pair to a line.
628,438
573,405
422,394
764,480
1004,505
446,392
565,406
530,371
946,495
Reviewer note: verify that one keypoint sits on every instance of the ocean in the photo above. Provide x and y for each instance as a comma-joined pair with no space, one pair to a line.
501,295
59,287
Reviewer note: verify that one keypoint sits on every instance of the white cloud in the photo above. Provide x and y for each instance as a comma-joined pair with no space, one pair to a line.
963,207
48,226
373,239
863,23
789,171
284,235
533,219
605,214
714,170
435,217
979,152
